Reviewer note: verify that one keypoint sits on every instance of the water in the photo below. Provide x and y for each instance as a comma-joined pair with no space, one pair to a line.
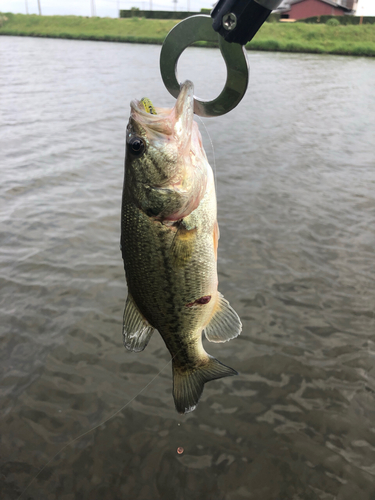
295,178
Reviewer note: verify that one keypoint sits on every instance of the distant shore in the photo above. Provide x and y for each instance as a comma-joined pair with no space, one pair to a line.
354,40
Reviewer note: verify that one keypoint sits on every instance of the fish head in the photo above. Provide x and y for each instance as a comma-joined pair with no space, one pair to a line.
165,164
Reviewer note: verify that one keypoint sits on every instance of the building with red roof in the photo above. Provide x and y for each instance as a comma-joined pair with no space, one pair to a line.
301,9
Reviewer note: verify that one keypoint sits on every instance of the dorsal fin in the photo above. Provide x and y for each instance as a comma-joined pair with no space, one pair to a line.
136,329
225,323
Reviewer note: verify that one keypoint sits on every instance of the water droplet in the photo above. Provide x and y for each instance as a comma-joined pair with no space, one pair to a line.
180,450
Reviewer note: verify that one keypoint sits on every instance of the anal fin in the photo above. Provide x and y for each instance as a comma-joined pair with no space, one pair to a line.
136,329
188,386
225,323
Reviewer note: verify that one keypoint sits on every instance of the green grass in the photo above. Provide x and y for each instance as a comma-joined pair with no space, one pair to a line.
316,38
286,37
87,28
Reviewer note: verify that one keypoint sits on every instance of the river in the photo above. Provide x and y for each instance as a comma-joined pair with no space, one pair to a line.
295,170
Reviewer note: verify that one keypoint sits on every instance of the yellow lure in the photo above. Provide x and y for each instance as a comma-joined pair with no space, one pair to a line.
148,106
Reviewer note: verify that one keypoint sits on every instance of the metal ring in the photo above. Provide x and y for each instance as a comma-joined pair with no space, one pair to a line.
194,29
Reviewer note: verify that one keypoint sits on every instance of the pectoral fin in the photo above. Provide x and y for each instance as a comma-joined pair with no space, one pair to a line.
224,324
136,329
183,245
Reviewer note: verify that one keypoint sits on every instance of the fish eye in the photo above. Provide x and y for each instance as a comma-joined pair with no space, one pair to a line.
136,146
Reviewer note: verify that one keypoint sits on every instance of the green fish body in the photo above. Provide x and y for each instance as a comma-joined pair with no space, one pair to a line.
169,236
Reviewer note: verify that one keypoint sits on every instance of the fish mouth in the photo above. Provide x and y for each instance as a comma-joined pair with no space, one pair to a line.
176,122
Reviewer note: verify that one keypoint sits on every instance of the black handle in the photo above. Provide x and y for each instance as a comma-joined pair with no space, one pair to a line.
238,20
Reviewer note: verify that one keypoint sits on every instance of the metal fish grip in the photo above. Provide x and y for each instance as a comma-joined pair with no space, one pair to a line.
199,28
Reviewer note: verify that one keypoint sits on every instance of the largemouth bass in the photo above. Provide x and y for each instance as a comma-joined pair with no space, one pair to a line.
169,238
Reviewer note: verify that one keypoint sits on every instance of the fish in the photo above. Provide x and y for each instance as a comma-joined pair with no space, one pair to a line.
169,240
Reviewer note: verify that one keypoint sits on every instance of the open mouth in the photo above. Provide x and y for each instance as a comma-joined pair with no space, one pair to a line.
176,121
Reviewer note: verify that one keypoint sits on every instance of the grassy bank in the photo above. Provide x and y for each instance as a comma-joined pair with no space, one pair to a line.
316,38
285,37
87,28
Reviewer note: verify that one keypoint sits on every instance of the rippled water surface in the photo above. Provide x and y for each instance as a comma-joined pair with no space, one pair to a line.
295,165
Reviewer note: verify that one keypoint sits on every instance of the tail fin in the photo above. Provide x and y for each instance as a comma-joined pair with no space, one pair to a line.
188,386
